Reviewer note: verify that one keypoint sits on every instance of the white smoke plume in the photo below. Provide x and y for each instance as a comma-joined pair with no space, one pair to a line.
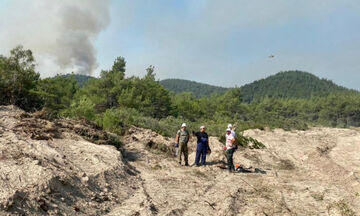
61,34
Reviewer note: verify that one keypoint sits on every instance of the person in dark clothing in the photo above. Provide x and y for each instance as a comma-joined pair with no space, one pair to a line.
202,146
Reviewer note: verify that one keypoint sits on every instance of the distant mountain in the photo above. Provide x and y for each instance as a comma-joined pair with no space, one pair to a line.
198,89
290,84
81,79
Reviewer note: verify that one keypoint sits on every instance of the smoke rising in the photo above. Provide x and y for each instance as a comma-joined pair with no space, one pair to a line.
60,33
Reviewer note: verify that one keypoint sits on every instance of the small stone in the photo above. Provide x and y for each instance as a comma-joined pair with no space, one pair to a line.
85,179
62,199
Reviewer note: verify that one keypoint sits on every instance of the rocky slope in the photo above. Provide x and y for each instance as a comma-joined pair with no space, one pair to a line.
49,168
57,169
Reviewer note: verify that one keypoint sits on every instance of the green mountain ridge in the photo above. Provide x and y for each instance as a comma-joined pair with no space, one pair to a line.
198,89
81,79
290,84
287,84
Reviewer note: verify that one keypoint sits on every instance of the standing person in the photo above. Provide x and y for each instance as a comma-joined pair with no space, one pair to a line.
202,146
232,130
182,139
230,149
233,133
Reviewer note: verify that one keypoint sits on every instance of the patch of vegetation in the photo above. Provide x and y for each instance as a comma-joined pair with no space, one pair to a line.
246,142
286,165
157,167
199,174
114,141
159,148
318,196
343,207
198,89
250,142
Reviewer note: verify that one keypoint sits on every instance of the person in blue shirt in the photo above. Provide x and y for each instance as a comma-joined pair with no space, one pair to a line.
202,146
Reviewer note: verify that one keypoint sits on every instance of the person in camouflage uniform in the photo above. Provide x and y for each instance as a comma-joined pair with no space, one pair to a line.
182,139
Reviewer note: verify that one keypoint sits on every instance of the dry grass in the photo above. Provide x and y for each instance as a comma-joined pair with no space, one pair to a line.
286,165
199,174
159,148
343,208
318,196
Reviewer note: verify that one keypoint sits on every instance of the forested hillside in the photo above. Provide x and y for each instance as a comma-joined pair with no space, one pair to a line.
197,89
81,79
290,84
115,102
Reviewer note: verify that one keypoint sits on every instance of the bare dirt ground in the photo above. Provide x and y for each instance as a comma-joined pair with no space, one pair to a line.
313,172
57,169
49,168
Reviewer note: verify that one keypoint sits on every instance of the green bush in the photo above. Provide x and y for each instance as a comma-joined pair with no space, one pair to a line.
82,108
57,93
118,120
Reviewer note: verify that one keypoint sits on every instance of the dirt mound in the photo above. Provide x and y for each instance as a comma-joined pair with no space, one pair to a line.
151,140
51,168
41,129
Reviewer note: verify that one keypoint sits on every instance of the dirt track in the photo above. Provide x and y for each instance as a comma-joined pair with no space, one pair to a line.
313,172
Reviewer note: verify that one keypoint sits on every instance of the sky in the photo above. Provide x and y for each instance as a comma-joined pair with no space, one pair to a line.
220,42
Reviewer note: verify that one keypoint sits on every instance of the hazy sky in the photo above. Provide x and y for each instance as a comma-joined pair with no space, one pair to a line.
221,42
